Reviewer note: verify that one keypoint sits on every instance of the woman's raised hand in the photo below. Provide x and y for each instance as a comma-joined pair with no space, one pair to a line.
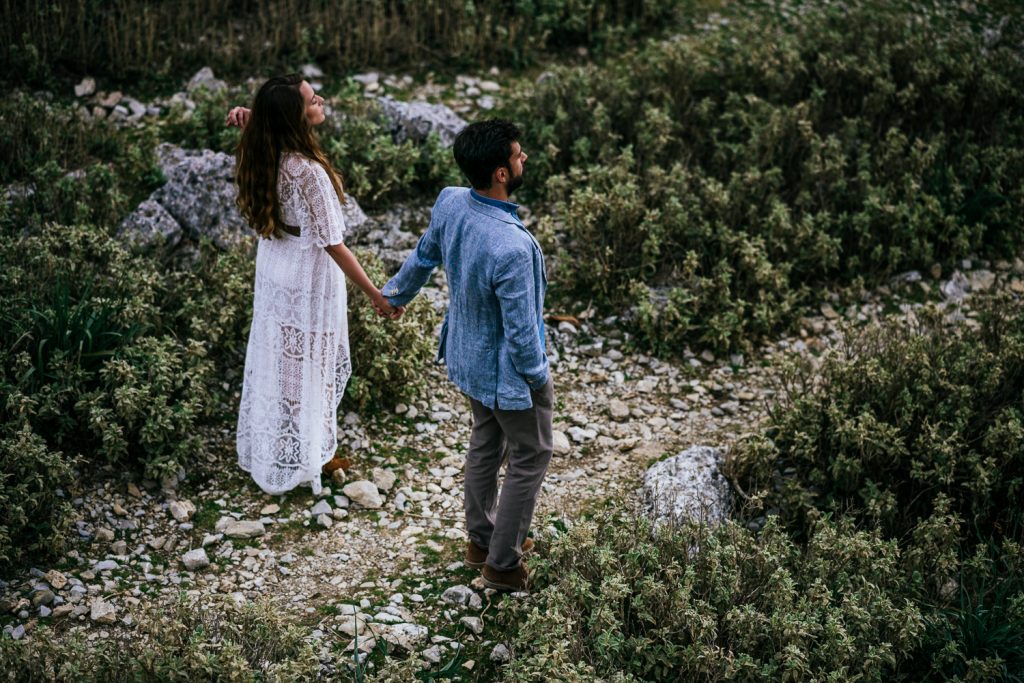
238,116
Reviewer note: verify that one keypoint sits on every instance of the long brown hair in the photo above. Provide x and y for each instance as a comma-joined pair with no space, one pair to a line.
276,125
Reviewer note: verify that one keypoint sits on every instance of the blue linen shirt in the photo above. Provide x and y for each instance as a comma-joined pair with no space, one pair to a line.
492,338
513,209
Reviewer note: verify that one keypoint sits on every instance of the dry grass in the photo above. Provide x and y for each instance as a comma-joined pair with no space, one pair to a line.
143,37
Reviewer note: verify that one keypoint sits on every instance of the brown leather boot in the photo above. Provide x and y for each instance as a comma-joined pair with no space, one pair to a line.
513,580
477,556
335,463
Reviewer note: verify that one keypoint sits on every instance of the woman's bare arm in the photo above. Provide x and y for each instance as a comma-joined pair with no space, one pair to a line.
349,265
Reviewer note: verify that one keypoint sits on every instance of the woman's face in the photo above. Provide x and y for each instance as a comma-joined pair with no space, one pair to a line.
314,104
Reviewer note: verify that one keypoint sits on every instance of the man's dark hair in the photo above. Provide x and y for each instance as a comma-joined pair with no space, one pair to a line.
484,146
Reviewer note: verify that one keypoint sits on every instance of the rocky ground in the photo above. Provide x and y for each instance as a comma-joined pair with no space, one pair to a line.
377,555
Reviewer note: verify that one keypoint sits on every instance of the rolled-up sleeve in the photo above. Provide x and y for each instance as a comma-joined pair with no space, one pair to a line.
514,285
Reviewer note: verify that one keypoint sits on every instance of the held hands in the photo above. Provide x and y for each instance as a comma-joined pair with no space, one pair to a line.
238,116
384,307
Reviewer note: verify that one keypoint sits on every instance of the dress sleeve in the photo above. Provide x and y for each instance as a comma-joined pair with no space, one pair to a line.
320,206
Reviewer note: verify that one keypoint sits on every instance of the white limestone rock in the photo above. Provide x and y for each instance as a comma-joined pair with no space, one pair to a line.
687,486
244,529
463,596
150,226
364,493
417,120
204,79
560,442
181,510
384,479
102,612
195,559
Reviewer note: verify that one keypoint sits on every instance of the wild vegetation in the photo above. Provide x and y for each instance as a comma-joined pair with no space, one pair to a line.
116,358
147,41
223,642
719,181
704,178
891,478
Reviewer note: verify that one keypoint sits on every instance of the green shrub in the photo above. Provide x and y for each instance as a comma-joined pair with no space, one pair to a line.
68,169
186,642
916,434
980,634
641,238
30,475
389,357
718,179
88,362
212,640
618,604
203,127
211,300
377,170
905,424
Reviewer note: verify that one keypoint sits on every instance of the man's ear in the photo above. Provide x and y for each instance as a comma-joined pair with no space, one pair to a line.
500,175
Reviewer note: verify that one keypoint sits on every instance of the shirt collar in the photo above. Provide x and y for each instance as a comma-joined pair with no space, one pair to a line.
510,207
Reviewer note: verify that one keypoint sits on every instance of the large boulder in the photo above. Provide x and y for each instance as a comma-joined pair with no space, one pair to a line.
416,120
198,201
200,193
687,486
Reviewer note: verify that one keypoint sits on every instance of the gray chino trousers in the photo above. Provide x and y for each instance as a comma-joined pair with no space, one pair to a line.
523,437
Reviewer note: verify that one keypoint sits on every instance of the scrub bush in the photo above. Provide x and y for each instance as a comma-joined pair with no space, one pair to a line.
915,433
904,424
389,357
715,182
377,170
91,362
31,476
185,642
57,167
619,603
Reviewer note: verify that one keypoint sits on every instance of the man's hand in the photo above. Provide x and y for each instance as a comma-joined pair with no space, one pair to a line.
394,313
384,307
238,116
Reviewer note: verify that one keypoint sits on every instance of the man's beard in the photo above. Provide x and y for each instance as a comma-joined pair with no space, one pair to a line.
514,183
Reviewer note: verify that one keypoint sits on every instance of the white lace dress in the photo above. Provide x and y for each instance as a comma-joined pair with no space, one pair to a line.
297,362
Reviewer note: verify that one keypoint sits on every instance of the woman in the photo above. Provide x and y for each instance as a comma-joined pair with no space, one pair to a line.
297,362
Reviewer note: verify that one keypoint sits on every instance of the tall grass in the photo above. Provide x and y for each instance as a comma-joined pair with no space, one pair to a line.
130,38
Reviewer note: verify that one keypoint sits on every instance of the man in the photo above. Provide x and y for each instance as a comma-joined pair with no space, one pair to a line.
492,340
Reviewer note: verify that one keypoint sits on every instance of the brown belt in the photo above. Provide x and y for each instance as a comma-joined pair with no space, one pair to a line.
291,230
